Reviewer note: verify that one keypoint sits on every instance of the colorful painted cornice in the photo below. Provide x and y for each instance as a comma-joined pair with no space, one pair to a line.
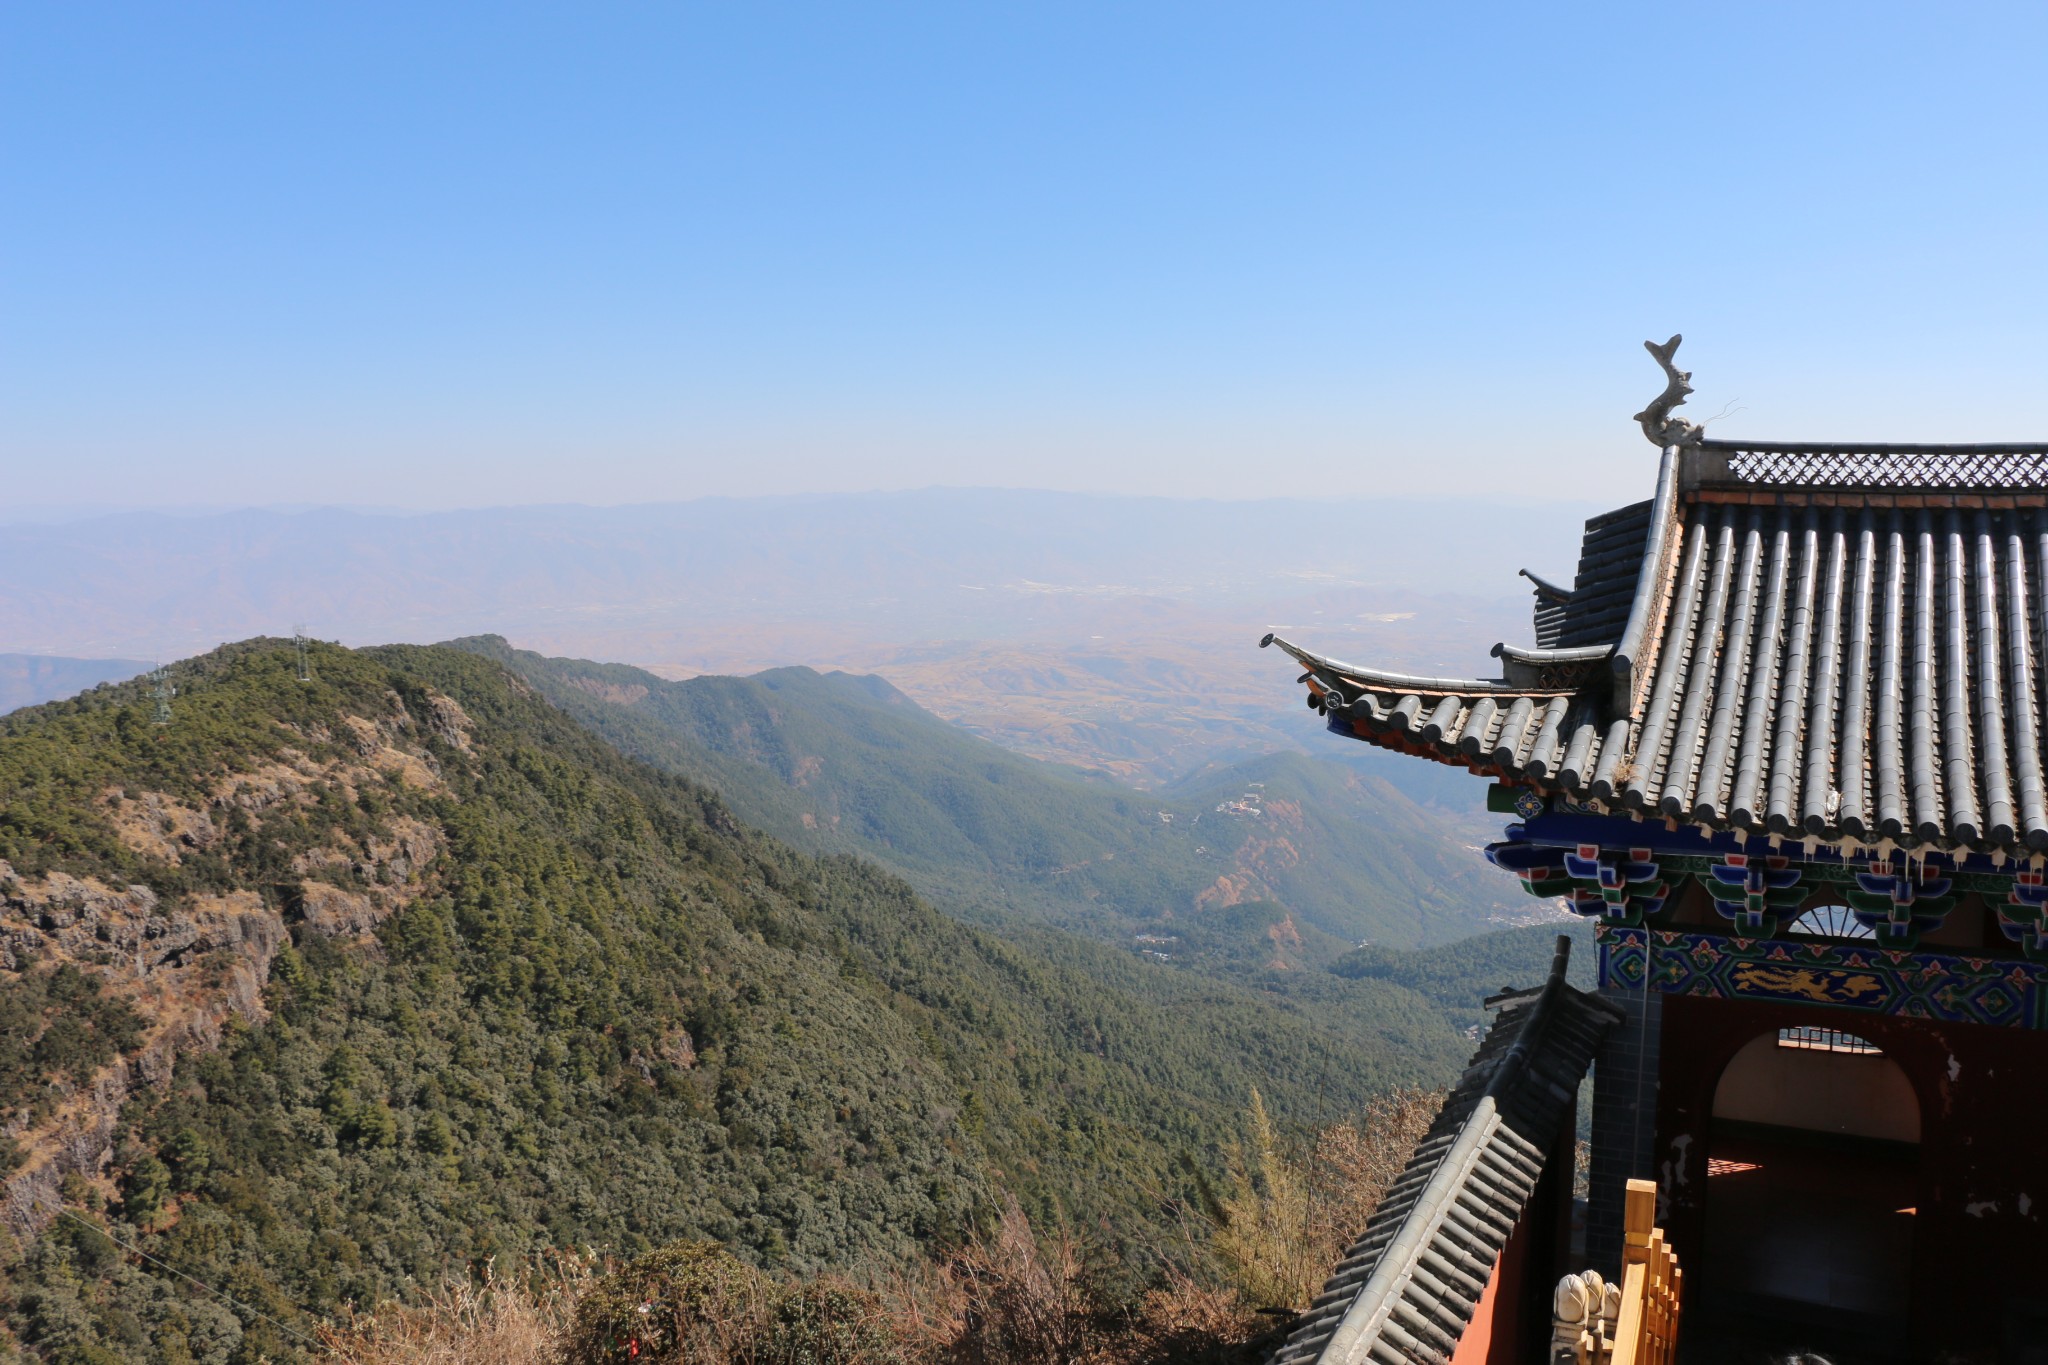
1623,872
1961,989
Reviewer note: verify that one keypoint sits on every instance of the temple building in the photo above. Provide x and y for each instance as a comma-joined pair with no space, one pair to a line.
1780,741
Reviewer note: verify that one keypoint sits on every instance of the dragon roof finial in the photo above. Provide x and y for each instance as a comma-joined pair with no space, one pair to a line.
1658,424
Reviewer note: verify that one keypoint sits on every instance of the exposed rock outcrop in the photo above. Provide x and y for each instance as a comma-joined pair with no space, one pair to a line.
191,963
186,972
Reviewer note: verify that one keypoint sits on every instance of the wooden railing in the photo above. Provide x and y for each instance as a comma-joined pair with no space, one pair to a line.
1647,1332
1636,1321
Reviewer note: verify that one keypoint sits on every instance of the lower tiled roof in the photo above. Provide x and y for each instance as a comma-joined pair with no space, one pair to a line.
1406,1292
1594,610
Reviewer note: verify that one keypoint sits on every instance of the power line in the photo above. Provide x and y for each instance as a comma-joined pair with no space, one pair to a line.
220,1294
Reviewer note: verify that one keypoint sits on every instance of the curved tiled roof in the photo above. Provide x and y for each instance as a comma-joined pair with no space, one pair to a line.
1836,659
1405,1293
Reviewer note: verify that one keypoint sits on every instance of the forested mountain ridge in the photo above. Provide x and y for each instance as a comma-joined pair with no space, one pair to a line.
836,762
325,987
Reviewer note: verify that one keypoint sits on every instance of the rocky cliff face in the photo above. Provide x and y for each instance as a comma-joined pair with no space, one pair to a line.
187,972
191,963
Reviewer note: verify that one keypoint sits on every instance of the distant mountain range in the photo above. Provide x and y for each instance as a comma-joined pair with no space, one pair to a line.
935,564
26,679
844,763
839,763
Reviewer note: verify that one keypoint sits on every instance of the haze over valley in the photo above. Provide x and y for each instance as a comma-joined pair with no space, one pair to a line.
1114,634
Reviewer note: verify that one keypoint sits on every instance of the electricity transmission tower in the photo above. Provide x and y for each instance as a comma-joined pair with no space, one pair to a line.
161,692
299,644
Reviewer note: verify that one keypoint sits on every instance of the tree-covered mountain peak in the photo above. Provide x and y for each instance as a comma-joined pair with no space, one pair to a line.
401,968
159,866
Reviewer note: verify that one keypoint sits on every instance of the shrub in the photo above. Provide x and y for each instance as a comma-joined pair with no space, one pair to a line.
828,1322
1021,1306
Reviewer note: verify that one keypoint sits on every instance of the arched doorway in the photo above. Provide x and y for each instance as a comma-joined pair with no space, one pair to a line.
1812,1172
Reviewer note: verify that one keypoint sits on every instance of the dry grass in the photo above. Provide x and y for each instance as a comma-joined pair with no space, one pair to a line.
1019,1298
1185,1319
508,1321
689,1304
695,1303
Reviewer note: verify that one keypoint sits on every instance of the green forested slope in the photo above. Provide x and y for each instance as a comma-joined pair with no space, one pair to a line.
1458,976
578,1002
841,763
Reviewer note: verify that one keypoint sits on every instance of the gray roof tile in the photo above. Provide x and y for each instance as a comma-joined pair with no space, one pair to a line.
1594,609
1406,1291
1851,661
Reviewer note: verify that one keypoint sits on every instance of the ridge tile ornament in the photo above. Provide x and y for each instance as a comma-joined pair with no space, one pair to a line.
1658,424
1863,465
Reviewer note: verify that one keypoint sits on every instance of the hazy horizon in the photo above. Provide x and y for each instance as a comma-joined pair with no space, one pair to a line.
142,584
1120,632
54,514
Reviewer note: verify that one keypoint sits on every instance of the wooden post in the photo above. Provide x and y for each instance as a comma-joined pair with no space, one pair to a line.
1636,1337
1638,1221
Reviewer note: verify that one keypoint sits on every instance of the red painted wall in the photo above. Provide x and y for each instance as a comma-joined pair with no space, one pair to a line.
1981,1238
1494,1336
1475,1347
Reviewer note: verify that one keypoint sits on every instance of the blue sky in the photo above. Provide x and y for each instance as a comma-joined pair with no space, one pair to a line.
444,255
